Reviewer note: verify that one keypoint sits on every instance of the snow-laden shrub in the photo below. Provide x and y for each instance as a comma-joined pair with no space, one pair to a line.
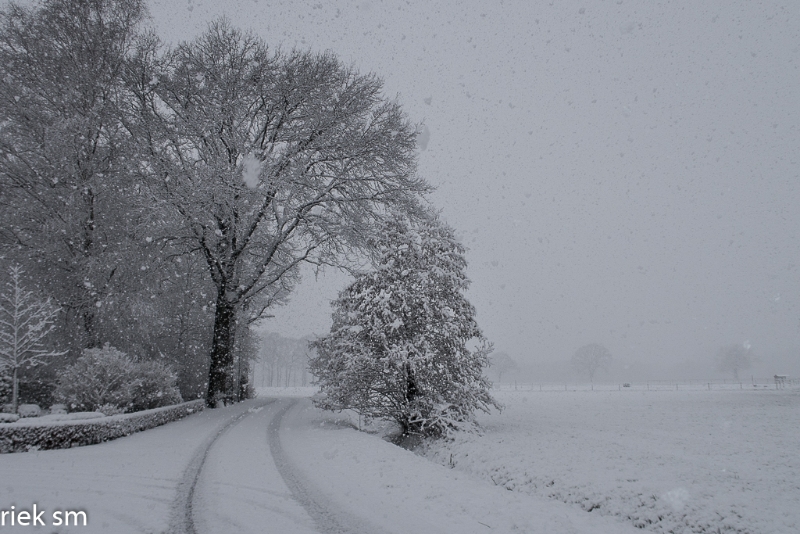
108,377
98,377
155,385
29,410
8,417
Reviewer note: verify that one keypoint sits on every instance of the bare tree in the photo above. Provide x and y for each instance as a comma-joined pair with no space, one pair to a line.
25,324
591,358
502,363
259,161
734,358
64,179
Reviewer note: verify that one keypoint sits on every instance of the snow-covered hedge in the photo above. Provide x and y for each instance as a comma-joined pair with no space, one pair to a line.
34,435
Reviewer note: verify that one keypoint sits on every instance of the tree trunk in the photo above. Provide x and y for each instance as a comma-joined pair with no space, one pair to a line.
411,394
15,392
92,339
89,253
219,372
411,384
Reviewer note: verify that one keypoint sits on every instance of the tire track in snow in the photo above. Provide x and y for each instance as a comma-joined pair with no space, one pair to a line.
329,518
182,521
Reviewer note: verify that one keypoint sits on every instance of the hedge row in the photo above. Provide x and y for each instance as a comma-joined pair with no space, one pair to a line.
33,435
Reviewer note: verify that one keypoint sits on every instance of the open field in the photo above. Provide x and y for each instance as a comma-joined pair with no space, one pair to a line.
722,461
655,385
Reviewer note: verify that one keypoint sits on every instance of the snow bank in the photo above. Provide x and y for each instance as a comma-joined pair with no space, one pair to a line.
32,434
674,462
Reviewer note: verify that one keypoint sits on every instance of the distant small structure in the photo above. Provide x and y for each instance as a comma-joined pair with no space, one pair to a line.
780,381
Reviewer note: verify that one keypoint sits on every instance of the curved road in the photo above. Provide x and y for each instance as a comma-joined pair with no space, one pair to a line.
241,480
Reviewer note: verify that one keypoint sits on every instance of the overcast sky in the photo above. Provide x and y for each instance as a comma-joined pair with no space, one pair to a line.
623,172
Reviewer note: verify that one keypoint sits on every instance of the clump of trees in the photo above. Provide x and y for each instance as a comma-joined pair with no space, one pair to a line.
404,344
176,191
282,361
591,358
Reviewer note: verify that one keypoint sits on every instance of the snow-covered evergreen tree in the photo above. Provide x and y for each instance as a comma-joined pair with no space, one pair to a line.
404,344
25,323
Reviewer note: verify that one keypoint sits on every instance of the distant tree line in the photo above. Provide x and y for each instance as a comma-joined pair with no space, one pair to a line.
164,199
282,361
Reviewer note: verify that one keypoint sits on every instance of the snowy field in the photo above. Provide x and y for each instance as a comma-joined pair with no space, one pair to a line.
665,461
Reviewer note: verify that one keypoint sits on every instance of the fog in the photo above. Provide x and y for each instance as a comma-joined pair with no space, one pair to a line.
623,172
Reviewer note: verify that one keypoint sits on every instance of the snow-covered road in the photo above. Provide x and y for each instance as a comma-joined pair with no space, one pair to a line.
270,465
233,487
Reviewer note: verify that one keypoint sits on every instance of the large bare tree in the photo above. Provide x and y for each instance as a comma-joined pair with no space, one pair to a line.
258,161
64,185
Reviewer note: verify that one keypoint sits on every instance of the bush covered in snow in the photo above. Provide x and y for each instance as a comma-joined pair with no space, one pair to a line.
29,410
58,409
107,377
154,385
8,417
39,435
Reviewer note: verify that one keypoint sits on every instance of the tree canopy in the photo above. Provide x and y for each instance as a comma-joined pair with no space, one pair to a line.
405,345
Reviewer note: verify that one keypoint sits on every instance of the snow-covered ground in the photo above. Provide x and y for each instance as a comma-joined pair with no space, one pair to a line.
666,461
270,465
686,461
392,490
